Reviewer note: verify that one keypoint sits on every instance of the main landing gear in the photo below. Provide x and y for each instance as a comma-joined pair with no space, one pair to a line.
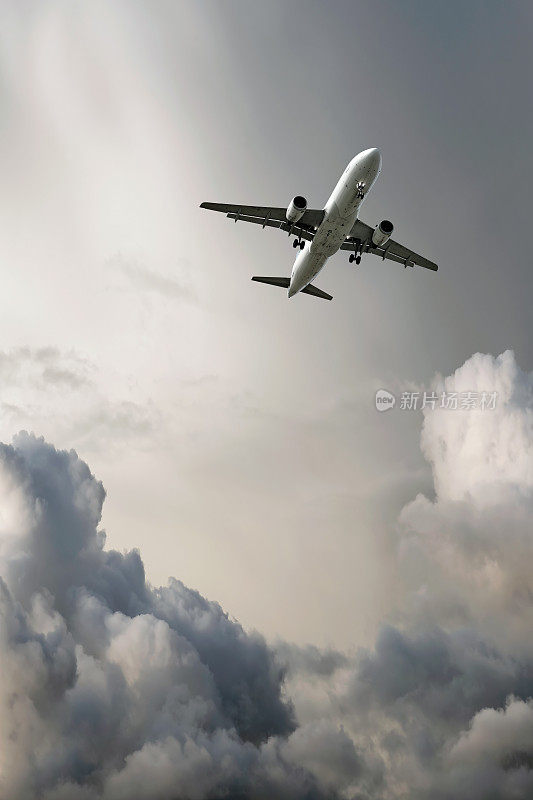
299,243
356,255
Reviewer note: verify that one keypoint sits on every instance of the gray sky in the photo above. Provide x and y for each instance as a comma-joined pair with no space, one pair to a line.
235,432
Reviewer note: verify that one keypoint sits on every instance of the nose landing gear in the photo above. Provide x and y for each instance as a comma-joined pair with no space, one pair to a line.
361,185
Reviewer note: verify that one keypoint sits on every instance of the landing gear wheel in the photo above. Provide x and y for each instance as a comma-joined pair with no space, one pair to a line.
351,259
358,260
302,245
295,243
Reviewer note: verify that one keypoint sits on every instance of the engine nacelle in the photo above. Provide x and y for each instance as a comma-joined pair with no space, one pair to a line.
382,233
297,208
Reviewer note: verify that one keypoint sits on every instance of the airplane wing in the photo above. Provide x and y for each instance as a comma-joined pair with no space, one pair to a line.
391,250
271,217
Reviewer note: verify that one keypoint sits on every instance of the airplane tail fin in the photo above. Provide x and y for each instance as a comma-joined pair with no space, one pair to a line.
285,283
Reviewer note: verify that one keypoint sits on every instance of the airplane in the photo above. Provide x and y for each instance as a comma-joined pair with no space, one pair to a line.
320,233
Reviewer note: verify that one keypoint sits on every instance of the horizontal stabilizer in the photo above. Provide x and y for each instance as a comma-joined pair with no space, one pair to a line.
310,289
284,282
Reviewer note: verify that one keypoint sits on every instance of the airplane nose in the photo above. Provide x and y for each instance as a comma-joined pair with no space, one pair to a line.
373,156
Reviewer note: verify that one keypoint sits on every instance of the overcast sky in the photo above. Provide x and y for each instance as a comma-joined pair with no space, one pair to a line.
235,432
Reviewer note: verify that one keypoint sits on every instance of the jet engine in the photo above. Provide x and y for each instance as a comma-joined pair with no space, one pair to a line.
382,233
297,208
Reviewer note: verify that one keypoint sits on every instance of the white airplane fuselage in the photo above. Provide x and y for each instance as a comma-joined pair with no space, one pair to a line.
341,210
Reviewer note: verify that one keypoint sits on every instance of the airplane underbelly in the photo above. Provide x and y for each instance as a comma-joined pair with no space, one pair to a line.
307,265
312,266
332,233
328,239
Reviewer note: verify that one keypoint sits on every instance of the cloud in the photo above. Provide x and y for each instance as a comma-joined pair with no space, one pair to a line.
441,703
482,457
34,380
44,367
112,688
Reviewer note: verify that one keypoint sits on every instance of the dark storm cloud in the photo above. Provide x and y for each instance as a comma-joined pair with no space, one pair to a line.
311,659
112,688
436,682
105,680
